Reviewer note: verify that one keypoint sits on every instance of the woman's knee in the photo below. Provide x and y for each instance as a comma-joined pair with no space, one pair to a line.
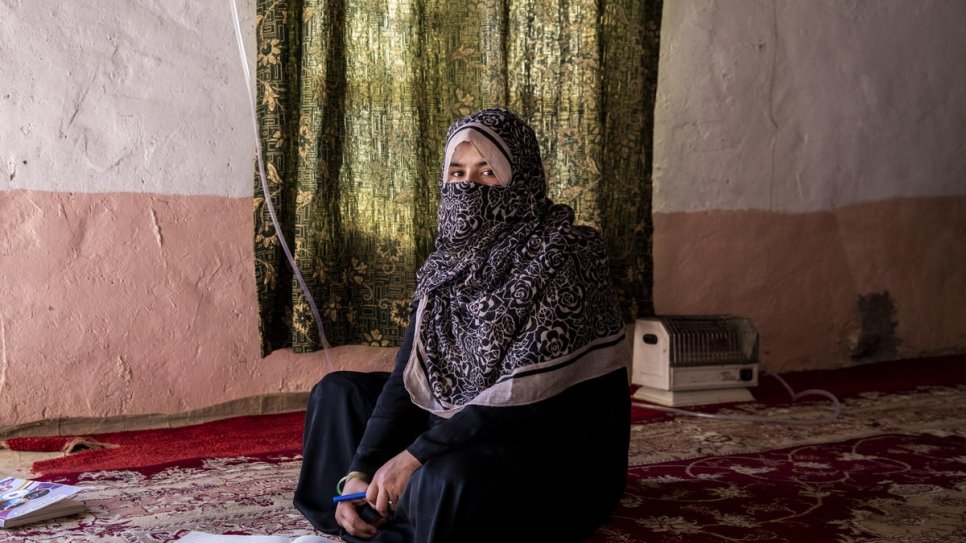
347,384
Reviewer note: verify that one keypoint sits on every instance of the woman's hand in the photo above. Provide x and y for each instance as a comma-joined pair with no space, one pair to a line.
389,482
348,517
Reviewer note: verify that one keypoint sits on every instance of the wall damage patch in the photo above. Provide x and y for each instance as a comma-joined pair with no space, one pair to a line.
874,337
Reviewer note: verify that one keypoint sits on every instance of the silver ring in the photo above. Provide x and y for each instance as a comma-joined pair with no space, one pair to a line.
390,503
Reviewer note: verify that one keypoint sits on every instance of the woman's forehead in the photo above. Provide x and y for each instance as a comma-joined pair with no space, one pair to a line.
467,151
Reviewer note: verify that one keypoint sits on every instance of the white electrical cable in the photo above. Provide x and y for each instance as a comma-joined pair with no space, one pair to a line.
264,182
751,418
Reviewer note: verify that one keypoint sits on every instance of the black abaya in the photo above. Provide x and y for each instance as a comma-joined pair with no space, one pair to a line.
553,470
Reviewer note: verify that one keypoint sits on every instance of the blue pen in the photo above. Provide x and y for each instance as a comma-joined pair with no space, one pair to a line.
347,497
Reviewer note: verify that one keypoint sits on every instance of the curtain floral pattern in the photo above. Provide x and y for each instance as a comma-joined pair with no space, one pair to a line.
354,98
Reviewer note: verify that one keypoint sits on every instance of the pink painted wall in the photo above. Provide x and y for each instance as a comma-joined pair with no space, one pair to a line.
800,278
124,304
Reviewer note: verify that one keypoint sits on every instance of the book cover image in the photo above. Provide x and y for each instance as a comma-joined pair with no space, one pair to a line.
23,500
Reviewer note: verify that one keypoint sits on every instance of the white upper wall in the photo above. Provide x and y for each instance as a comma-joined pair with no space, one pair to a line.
805,106
131,96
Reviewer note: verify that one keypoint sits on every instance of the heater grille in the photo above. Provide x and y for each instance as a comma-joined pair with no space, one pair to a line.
710,340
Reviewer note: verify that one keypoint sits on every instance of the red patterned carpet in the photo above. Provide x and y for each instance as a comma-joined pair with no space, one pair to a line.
892,467
883,488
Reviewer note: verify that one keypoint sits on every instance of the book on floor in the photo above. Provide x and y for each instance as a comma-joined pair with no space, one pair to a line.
202,537
23,501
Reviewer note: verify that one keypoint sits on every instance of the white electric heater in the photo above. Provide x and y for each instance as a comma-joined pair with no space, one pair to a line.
682,360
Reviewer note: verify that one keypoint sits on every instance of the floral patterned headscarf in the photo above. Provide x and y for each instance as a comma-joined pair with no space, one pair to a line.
515,304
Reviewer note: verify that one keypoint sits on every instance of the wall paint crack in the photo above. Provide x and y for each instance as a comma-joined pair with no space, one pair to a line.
156,228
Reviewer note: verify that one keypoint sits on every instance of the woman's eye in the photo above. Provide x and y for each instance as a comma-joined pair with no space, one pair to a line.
456,173
489,173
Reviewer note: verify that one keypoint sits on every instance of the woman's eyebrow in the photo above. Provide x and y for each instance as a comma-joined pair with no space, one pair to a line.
461,165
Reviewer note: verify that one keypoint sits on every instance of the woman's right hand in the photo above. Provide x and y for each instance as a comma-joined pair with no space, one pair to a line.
347,515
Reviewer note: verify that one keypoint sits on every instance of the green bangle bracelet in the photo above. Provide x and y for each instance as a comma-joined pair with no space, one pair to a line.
347,478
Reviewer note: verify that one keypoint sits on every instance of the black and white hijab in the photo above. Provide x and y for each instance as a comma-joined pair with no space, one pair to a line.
515,304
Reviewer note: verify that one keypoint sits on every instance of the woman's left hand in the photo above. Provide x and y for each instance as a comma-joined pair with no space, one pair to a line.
389,482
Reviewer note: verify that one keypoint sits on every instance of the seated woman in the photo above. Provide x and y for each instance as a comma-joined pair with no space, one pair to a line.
506,417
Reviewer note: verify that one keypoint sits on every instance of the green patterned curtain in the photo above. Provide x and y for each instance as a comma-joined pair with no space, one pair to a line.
354,98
